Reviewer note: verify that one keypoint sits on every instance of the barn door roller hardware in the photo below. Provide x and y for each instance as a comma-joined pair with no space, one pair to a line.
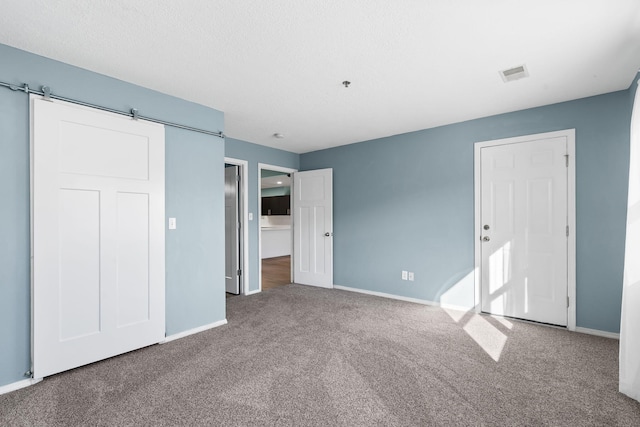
133,113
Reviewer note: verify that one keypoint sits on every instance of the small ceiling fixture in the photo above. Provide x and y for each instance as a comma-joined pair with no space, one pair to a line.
515,73
346,83
278,135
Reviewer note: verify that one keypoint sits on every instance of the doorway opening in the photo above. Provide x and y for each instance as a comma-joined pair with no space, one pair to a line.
236,232
276,226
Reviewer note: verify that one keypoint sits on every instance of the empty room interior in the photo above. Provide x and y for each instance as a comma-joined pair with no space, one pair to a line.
320,212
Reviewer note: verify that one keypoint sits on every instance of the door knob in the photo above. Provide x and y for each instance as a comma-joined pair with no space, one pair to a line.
327,234
486,239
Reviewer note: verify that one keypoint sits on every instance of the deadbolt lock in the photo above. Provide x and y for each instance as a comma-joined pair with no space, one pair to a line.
486,226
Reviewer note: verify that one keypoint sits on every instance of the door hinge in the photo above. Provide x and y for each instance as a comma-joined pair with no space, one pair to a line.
567,231
568,302
238,178
239,225
566,158
239,272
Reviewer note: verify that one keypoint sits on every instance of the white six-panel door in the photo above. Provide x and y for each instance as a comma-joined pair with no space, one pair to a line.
313,227
524,246
98,235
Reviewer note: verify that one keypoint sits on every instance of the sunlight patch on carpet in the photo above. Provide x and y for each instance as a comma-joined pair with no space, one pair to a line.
487,336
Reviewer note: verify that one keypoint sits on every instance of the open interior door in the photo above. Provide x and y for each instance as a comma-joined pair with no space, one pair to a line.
313,228
232,230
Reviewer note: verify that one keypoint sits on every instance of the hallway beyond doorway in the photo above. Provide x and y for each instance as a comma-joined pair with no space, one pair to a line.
276,272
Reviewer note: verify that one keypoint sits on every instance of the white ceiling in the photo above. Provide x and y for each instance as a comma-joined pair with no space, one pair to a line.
275,181
278,66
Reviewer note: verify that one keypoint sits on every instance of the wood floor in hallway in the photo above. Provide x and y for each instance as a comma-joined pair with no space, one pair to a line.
276,272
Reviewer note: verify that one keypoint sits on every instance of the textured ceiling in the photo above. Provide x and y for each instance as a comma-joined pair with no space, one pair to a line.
278,66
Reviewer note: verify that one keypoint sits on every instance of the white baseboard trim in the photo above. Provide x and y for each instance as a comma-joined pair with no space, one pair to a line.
401,298
18,385
597,332
256,291
193,331
456,307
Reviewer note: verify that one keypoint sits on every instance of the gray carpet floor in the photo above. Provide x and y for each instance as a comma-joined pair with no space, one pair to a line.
297,356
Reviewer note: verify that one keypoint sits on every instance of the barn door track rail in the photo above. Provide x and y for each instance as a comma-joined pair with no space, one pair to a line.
133,113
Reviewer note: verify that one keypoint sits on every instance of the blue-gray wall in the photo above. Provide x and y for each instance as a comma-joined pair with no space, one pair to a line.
255,154
194,195
417,215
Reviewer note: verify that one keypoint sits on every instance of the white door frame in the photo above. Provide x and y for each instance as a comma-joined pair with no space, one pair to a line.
266,166
570,135
243,167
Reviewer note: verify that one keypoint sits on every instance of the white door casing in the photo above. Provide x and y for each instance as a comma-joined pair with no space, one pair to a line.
243,217
524,211
269,167
232,229
98,283
313,227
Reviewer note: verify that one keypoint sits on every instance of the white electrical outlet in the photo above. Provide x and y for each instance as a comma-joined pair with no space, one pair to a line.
404,274
411,276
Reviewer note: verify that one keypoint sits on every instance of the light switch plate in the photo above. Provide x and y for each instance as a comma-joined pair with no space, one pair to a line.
172,223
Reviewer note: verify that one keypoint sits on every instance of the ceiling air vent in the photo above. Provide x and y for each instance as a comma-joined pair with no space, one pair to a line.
514,73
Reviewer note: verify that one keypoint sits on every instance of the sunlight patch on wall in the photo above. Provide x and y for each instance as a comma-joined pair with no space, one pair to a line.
460,295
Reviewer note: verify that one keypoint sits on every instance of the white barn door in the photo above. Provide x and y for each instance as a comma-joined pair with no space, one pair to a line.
98,235
524,235
313,228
